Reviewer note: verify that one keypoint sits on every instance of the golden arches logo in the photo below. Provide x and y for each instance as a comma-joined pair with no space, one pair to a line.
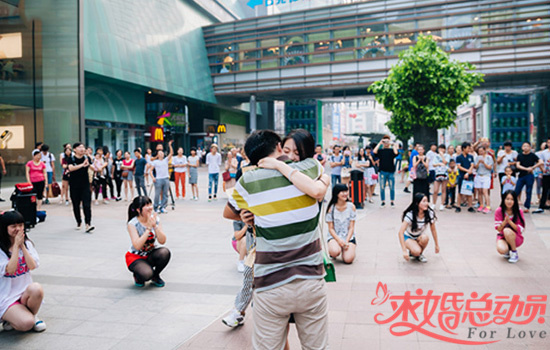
222,129
158,135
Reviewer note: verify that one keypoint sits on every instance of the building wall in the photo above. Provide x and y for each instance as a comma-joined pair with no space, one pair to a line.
157,44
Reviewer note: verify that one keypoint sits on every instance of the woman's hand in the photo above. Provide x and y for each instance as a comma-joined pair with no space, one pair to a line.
269,163
437,249
19,239
341,242
152,220
406,255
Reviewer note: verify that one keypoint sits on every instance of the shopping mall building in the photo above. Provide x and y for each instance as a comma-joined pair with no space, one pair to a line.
108,72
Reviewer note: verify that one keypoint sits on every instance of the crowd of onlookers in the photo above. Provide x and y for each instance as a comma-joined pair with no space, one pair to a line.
454,177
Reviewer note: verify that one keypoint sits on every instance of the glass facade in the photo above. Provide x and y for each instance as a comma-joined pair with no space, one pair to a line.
371,31
38,78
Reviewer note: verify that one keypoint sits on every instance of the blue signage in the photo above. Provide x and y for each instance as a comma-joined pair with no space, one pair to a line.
254,3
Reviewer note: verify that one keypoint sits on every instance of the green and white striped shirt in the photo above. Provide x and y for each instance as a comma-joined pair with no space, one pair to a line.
288,246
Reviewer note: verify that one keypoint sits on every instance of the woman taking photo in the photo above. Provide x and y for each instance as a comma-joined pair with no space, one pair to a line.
509,223
128,175
36,174
67,154
145,258
20,298
412,237
341,225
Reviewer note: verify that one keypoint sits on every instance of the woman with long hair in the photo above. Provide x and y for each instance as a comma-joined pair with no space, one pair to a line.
65,177
412,237
340,217
421,183
193,162
20,297
128,175
145,258
362,163
509,223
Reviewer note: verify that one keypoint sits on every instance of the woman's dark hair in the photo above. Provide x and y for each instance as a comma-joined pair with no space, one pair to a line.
414,208
68,149
260,144
305,144
193,149
118,150
361,156
134,209
9,218
515,206
335,191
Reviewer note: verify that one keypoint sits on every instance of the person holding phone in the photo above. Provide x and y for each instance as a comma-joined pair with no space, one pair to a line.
79,183
145,258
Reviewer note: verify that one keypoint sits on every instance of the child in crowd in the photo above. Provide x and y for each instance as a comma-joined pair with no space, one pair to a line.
508,180
341,216
145,258
452,174
509,223
20,298
416,219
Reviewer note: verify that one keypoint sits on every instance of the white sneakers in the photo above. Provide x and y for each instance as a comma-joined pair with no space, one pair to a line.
39,325
513,257
234,319
240,266
441,207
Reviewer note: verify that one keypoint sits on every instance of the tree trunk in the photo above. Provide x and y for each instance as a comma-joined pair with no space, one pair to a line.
424,135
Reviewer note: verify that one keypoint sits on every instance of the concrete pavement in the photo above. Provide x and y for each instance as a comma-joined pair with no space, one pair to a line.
91,302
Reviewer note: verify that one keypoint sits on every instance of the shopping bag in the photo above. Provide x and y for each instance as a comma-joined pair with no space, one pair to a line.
467,188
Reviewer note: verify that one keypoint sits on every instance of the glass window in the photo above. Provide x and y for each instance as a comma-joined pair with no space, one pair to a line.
341,43
293,50
460,37
270,53
371,43
320,44
247,56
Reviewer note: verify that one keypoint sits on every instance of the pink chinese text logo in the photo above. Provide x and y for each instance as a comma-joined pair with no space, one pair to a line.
438,316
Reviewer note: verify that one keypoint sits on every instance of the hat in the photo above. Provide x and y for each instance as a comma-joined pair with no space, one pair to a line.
214,145
35,152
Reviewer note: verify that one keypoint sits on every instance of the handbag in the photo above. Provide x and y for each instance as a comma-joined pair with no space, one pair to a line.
467,187
330,272
226,176
55,190
125,173
346,172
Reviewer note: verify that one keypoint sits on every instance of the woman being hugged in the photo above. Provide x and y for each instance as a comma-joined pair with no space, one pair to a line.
341,224
20,298
416,218
509,223
145,258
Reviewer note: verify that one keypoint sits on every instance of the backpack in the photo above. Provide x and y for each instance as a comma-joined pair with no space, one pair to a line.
421,171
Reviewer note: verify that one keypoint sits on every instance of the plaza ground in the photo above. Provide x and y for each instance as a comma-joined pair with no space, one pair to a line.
91,302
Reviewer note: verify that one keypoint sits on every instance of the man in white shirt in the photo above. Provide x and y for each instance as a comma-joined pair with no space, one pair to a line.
49,160
214,161
161,179
432,153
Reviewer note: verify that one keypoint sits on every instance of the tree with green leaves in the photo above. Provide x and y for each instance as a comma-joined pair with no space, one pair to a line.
424,90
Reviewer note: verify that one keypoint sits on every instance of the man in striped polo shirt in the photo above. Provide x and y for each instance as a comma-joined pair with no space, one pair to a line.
288,272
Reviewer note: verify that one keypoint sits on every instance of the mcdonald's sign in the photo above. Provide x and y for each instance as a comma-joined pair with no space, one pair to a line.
222,129
157,134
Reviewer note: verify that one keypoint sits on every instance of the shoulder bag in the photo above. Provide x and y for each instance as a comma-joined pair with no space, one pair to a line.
330,275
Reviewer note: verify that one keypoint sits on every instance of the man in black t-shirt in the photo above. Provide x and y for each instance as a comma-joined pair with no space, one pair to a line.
386,167
79,182
527,161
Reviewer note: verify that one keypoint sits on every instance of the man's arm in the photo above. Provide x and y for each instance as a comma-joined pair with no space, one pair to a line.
395,148
229,213
375,151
